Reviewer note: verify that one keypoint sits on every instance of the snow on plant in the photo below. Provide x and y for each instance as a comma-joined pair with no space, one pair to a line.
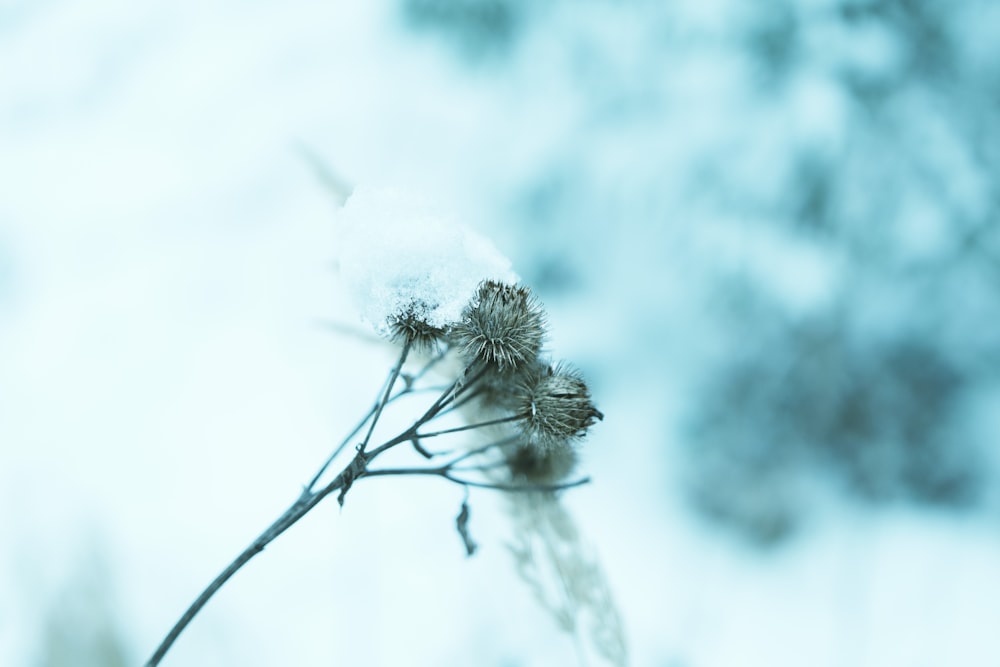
450,302
401,258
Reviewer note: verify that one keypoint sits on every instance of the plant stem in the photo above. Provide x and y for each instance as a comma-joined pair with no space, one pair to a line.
357,469
340,448
388,392
377,407
445,471
469,427
299,509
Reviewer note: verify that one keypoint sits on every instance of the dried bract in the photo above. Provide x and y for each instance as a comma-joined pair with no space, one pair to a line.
503,326
556,406
411,326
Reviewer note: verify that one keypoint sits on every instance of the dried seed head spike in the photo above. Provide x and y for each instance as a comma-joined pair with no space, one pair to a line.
410,325
556,406
503,326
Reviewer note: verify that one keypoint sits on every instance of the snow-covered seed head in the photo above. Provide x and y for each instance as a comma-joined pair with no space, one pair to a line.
503,326
410,325
544,466
556,406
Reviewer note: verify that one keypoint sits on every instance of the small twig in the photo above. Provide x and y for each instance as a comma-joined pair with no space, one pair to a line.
495,465
375,412
469,427
445,473
340,448
451,394
467,384
466,453
393,376
520,488
433,361
409,388
338,186
478,391
410,434
420,449
446,396
498,444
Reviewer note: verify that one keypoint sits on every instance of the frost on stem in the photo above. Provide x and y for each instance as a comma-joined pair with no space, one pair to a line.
503,326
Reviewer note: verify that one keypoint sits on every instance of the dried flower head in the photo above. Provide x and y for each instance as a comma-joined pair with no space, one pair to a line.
411,325
542,466
556,406
503,326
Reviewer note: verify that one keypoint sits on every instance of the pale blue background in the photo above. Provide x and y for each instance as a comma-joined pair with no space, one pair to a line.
167,384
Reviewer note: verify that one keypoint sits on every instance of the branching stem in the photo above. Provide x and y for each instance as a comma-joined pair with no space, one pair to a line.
453,396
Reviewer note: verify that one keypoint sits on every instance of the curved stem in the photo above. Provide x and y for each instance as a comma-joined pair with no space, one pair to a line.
299,509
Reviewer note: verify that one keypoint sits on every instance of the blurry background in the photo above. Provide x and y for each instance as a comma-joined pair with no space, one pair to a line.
767,232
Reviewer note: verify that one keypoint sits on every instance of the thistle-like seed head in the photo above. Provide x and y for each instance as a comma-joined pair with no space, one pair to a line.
411,326
503,326
544,466
556,406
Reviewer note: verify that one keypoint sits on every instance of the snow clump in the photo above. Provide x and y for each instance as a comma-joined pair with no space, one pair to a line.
399,256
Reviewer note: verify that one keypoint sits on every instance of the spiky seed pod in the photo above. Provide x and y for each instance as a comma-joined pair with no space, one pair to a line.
543,466
503,326
556,406
411,325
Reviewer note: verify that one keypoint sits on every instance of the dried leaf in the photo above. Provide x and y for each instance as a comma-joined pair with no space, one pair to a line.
462,523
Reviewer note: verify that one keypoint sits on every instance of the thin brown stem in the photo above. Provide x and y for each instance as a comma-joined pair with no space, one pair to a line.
340,448
498,444
410,434
469,396
358,468
299,509
388,392
433,361
454,390
407,389
469,427
445,473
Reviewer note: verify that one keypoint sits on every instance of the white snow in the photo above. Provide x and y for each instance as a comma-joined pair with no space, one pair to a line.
398,254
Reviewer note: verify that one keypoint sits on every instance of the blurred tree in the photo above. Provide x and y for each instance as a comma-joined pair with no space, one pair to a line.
864,132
